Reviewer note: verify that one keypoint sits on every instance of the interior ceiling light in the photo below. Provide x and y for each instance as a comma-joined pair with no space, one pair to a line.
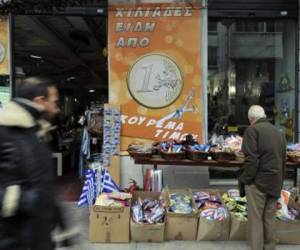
36,57
71,78
91,90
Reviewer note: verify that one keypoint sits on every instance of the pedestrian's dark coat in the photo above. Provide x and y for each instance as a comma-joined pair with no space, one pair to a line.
265,155
26,162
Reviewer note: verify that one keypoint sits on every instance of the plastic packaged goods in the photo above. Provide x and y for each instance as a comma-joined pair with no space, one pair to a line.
284,212
236,205
200,147
180,203
210,206
148,211
115,199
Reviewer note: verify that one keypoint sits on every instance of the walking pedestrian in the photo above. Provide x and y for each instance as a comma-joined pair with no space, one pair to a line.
26,172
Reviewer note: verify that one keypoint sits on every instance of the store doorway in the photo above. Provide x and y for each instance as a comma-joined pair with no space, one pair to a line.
71,50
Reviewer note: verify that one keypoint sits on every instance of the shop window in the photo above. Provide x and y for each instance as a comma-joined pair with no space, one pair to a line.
252,62
4,90
212,57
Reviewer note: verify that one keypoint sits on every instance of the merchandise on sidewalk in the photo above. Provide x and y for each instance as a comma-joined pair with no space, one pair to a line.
213,217
153,180
111,134
114,199
182,215
287,224
210,206
284,212
181,203
148,211
236,205
148,217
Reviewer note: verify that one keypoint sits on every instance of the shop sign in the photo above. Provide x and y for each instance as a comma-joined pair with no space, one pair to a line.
155,70
4,63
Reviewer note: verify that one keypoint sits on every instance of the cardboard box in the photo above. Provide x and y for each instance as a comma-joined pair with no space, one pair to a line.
213,230
109,224
181,226
146,232
238,229
287,232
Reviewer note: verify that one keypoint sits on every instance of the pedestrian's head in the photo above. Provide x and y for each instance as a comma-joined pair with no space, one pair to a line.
42,91
255,113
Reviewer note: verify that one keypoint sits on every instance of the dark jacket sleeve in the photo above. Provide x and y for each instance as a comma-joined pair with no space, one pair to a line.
250,150
11,175
10,179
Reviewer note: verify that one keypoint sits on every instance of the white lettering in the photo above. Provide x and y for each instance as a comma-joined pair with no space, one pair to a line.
132,42
165,134
121,43
119,27
149,27
144,42
151,122
170,125
168,12
132,120
138,12
123,118
178,11
156,12
129,12
147,12
180,126
141,120
158,132
188,11
175,136
119,12
138,27
128,26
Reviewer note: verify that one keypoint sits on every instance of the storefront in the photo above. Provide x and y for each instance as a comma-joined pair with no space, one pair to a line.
138,71
251,53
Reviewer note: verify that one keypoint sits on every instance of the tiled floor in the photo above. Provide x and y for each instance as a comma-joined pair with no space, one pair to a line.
80,218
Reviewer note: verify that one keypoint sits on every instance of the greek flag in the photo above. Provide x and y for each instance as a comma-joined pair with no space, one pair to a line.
107,183
88,193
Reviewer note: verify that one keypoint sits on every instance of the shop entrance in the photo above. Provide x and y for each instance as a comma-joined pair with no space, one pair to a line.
72,51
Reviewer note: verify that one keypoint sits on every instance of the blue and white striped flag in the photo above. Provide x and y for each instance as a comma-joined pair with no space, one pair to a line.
88,193
107,183
90,189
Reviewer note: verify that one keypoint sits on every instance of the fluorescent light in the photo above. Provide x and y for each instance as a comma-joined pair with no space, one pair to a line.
91,90
71,78
36,57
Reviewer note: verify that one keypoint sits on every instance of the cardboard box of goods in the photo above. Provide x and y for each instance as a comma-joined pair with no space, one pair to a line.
213,229
109,224
146,232
181,226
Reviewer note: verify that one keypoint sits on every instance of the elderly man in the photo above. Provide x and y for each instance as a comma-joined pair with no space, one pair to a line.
265,151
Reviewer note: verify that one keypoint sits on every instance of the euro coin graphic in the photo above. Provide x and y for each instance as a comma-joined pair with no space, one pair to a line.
155,81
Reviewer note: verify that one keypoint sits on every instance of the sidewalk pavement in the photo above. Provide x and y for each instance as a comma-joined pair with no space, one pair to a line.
80,216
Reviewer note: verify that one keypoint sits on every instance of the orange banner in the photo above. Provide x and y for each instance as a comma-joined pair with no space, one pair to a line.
155,70
4,64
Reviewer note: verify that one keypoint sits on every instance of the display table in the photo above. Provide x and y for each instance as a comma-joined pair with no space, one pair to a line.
157,160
